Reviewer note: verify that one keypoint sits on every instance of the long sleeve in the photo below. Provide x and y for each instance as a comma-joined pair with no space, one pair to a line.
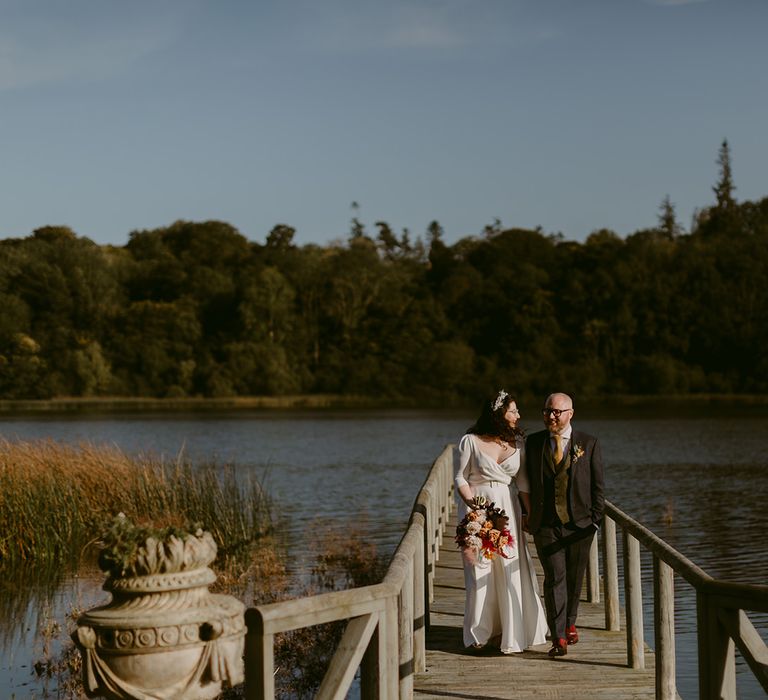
464,462
598,496
522,473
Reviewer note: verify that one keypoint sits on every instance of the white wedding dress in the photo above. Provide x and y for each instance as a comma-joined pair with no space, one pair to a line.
502,596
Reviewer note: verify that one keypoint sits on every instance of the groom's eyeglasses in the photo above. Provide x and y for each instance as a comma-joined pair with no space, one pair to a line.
556,412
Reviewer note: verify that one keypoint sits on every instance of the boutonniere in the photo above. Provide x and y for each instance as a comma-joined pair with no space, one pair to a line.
578,451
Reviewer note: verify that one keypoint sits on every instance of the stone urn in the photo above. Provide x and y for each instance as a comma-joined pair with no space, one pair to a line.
163,635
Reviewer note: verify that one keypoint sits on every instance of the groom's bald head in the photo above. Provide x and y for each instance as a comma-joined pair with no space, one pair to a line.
560,398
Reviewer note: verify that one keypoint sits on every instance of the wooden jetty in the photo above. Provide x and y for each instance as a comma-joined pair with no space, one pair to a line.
595,668
404,634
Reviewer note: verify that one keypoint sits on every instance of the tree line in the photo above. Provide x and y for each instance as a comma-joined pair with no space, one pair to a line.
197,309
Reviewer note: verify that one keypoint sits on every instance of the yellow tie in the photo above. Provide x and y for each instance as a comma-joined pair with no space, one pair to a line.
558,448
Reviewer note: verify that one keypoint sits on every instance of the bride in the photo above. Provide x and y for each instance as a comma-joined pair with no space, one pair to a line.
502,596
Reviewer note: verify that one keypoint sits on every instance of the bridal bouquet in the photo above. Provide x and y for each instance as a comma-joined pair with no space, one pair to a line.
483,531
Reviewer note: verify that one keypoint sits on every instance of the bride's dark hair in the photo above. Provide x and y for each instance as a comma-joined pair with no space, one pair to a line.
491,422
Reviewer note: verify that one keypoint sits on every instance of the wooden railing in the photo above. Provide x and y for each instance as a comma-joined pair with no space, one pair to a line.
722,623
385,635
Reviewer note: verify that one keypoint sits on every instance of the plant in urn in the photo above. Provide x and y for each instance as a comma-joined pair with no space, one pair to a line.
164,634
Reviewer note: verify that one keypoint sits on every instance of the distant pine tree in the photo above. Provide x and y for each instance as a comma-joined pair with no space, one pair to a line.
668,226
724,188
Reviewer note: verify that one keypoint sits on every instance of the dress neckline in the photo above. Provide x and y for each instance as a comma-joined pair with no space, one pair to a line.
477,442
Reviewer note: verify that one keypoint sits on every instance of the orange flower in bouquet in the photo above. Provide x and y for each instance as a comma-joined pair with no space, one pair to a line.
483,533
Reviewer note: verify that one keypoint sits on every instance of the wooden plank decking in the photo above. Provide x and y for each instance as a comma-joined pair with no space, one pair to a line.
595,668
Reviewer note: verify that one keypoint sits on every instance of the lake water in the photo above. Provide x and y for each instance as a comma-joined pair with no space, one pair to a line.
699,482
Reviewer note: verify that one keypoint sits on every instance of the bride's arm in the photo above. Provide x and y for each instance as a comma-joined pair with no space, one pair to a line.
466,494
525,500
523,488
462,473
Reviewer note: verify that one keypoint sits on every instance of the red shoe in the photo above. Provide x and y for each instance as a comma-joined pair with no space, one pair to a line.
559,648
571,635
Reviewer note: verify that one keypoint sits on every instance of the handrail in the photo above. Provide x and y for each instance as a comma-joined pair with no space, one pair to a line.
385,635
721,605
664,551
387,622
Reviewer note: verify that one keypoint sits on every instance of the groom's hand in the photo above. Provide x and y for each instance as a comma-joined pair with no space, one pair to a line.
524,522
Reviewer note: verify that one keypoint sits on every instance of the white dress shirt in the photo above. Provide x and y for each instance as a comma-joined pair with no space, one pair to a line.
566,439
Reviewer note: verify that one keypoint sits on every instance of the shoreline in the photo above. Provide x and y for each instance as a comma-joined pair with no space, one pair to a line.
140,404
74,405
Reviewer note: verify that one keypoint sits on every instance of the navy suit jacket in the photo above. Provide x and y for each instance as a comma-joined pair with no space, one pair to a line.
586,501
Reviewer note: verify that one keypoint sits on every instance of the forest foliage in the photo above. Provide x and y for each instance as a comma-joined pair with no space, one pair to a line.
198,309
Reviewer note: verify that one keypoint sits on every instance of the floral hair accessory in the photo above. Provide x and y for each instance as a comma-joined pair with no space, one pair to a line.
499,400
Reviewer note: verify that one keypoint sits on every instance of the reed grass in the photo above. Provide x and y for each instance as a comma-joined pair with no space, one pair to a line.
56,499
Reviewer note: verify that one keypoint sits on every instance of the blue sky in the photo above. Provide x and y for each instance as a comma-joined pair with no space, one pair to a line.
571,115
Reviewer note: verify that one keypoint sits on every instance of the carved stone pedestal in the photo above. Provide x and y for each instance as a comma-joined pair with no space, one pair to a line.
164,635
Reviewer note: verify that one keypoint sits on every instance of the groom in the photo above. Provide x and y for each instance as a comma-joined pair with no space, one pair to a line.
565,473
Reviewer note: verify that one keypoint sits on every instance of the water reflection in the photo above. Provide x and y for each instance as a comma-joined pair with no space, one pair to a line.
24,593
698,481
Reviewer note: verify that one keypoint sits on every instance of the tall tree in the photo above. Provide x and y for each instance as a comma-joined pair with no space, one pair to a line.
668,225
387,240
281,237
356,227
724,188
494,229
434,232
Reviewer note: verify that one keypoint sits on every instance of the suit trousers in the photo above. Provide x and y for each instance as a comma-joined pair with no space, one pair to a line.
563,575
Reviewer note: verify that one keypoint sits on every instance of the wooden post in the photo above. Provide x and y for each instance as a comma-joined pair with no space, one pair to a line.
390,665
449,467
610,575
429,544
664,629
434,500
593,573
405,633
260,661
372,680
441,510
633,595
451,495
419,604
717,657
